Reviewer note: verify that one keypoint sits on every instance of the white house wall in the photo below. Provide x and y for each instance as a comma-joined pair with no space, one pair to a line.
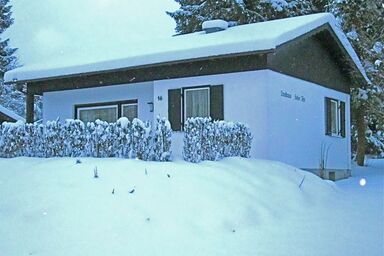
245,100
61,104
296,128
283,129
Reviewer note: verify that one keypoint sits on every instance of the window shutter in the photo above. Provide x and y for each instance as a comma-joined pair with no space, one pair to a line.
174,109
328,117
342,121
217,102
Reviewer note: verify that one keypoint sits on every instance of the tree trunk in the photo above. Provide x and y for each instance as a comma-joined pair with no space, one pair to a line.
361,140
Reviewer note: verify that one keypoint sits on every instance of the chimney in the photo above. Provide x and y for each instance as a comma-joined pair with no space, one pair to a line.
211,26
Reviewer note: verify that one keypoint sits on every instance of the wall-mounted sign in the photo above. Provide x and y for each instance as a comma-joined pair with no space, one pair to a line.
288,95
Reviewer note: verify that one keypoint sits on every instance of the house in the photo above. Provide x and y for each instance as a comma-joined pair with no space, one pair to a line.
288,79
7,115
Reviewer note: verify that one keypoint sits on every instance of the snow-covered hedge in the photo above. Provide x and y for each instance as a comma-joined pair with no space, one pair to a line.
73,138
205,139
162,140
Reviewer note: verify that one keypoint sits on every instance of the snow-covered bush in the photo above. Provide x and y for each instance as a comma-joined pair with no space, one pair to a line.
205,139
141,140
122,144
99,139
192,149
243,140
162,140
28,140
75,138
54,139
12,139
209,145
34,144
95,139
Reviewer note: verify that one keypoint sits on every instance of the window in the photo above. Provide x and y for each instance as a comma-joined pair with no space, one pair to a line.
106,111
199,101
335,117
196,102
129,111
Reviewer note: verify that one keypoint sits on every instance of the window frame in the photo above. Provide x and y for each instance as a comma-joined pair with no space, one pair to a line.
129,104
99,105
184,102
338,118
338,114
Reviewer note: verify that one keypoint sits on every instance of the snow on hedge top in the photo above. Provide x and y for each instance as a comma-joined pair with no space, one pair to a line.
239,39
11,114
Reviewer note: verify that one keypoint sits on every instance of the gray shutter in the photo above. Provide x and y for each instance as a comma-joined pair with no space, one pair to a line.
174,109
328,117
217,102
342,121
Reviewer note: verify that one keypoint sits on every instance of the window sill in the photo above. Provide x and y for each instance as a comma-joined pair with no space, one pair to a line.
335,136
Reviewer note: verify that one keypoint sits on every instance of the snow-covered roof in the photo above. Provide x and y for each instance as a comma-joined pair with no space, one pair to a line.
11,114
262,36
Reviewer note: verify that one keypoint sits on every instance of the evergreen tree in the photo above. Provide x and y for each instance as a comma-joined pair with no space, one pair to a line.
10,97
363,22
7,59
193,13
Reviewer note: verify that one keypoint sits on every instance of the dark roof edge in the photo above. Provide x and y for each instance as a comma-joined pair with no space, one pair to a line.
141,66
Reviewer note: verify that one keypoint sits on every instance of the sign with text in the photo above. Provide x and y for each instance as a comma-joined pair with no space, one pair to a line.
288,95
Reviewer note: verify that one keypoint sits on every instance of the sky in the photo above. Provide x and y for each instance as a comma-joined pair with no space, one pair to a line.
45,29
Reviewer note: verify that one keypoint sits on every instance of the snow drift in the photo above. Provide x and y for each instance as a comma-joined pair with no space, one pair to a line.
230,207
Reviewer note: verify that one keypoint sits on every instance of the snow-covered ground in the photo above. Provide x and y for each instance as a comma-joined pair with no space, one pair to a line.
231,207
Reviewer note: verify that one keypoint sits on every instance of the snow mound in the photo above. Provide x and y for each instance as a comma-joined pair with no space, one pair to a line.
123,122
231,207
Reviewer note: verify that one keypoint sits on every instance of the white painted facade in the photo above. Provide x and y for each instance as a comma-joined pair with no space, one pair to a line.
296,129
283,129
62,104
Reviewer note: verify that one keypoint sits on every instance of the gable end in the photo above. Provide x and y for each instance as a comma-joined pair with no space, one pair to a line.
317,57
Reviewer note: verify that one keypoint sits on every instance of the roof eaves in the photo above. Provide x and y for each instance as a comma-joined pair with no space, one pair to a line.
138,67
11,114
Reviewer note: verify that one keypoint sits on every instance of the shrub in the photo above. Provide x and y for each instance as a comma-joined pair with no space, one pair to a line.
123,141
54,139
192,149
162,140
75,138
95,139
12,139
140,137
100,139
205,139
